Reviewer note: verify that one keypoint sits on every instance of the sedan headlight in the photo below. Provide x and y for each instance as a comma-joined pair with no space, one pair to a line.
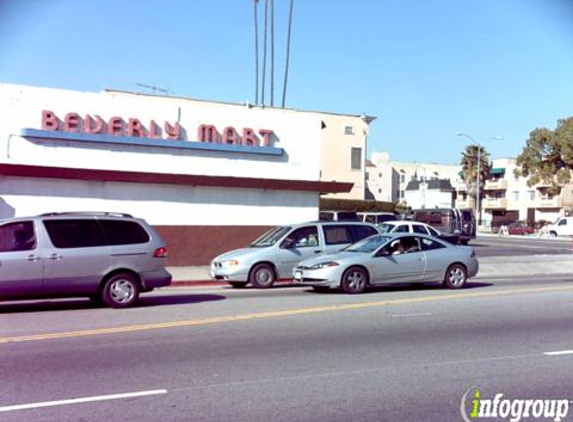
321,265
230,263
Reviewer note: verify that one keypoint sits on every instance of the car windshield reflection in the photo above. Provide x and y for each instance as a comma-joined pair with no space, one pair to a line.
270,237
368,245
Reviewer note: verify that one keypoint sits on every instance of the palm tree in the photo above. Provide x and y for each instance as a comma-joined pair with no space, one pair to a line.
469,163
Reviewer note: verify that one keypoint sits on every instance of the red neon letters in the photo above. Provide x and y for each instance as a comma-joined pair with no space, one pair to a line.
117,126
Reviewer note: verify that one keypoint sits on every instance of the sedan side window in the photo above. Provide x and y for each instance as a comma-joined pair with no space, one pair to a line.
419,229
430,244
402,229
17,237
411,244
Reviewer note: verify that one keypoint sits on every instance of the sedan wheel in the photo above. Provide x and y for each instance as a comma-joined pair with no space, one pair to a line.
456,277
354,280
262,276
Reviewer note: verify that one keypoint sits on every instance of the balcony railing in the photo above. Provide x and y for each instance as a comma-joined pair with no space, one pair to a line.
496,184
464,203
489,203
556,202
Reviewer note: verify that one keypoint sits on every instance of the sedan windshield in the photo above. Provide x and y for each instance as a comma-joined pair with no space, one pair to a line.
270,237
368,245
385,228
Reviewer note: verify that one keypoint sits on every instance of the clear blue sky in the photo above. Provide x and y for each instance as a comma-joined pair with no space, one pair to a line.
426,69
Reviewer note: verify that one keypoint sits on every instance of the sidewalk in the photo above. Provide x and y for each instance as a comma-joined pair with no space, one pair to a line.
498,266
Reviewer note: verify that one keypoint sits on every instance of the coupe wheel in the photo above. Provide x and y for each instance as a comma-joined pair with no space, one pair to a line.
456,276
120,291
354,280
262,276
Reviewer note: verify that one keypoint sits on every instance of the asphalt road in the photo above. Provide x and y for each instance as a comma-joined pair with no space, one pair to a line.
288,354
486,246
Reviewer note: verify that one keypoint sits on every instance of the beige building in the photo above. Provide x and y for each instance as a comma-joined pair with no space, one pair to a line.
507,198
343,152
388,180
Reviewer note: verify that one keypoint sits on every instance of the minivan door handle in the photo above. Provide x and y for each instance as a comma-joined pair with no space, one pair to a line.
55,257
32,258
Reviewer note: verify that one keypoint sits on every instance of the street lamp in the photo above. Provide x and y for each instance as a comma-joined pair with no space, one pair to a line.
478,214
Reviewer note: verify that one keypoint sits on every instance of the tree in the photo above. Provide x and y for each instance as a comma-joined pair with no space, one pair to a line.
548,156
469,168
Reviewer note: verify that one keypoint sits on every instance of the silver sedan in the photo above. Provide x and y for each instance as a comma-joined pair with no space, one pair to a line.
389,259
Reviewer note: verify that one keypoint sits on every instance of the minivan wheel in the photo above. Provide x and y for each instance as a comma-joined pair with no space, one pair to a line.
120,291
354,280
262,276
456,276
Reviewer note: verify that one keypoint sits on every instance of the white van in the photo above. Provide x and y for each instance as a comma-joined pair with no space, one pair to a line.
563,226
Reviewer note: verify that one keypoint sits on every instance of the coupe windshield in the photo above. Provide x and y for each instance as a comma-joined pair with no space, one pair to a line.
368,245
270,237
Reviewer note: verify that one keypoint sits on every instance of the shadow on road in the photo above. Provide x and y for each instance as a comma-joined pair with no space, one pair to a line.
67,304
178,299
407,288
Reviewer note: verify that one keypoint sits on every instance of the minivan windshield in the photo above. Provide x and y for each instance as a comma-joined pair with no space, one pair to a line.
368,245
270,237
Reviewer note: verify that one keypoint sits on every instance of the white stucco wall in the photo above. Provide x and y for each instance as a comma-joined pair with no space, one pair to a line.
158,204
298,133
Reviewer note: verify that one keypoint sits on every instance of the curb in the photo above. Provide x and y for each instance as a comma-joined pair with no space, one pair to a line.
503,266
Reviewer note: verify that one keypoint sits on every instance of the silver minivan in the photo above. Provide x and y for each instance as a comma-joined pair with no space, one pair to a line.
108,257
274,255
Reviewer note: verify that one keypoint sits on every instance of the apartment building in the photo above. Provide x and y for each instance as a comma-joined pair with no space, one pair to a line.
507,198
418,185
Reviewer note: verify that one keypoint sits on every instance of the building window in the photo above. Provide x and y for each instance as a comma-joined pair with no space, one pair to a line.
348,130
367,176
532,195
356,159
380,175
379,190
401,194
402,178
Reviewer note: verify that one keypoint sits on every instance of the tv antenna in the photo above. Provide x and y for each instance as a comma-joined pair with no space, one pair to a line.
155,89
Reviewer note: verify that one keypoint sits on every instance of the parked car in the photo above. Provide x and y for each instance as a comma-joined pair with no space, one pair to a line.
273,255
338,216
416,227
563,226
519,229
457,221
105,256
387,259
377,217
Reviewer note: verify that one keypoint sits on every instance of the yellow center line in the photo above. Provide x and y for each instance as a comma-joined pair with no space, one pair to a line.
275,314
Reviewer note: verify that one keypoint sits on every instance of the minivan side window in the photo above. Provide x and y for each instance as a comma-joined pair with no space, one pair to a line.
75,233
337,235
124,232
304,237
18,236
362,232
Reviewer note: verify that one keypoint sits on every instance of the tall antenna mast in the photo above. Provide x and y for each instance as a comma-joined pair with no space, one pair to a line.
287,62
256,23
